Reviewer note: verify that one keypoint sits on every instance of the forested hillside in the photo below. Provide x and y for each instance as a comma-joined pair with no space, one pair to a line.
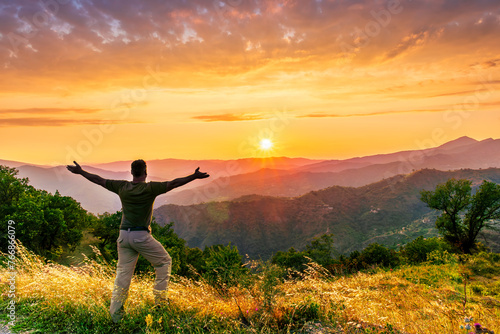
389,212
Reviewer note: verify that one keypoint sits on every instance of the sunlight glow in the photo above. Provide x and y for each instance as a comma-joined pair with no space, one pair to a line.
266,144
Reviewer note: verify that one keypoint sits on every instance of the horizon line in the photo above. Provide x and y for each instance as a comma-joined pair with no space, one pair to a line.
318,159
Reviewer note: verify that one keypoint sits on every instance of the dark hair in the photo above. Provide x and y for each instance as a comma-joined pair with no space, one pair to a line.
139,168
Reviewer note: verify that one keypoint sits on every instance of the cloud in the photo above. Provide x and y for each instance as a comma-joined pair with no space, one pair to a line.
463,93
52,121
55,117
488,63
97,44
230,117
377,113
490,104
492,63
36,111
408,43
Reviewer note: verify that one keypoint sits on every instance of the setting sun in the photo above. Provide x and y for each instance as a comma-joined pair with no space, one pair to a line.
266,144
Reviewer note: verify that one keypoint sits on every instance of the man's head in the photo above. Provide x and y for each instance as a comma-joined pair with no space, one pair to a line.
139,168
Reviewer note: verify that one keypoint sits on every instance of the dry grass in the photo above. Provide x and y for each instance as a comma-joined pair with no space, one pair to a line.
78,298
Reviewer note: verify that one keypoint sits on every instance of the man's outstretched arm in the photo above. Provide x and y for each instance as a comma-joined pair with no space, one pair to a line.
183,180
77,169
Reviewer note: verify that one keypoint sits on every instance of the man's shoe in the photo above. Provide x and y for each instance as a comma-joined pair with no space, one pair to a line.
161,304
116,318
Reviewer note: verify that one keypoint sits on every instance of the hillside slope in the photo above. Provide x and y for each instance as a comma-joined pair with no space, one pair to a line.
388,212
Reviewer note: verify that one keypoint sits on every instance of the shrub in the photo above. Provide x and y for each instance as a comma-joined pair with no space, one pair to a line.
485,264
270,277
291,259
378,255
441,257
305,311
223,267
320,251
417,251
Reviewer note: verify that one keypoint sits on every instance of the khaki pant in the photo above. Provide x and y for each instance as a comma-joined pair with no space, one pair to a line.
130,244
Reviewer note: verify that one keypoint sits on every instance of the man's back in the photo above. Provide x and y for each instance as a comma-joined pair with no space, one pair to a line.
137,200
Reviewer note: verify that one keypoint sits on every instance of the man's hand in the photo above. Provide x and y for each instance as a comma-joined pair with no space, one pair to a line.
200,175
183,180
77,169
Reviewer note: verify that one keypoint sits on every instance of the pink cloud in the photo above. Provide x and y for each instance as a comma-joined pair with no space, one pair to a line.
109,42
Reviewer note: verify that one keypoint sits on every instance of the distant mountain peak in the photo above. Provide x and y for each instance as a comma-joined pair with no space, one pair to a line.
462,141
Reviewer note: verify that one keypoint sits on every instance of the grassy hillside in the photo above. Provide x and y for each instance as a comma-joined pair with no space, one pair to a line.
388,212
428,298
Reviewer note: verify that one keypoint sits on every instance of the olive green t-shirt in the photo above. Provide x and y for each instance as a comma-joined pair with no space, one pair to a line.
137,200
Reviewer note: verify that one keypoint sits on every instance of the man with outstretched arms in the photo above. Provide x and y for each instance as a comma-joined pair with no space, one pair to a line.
137,198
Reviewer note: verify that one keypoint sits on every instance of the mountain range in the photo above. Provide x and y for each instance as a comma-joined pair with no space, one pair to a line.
289,177
463,152
97,200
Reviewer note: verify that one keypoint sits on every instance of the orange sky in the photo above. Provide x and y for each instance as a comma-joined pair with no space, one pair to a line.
101,81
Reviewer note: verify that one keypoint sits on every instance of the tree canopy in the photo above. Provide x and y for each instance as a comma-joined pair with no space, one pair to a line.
45,223
464,214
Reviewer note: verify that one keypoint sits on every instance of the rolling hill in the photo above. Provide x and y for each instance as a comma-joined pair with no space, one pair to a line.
389,212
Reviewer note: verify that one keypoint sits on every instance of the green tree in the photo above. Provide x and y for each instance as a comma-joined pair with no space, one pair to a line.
107,228
194,263
11,188
376,254
45,223
464,214
416,251
290,259
353,262
321,250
